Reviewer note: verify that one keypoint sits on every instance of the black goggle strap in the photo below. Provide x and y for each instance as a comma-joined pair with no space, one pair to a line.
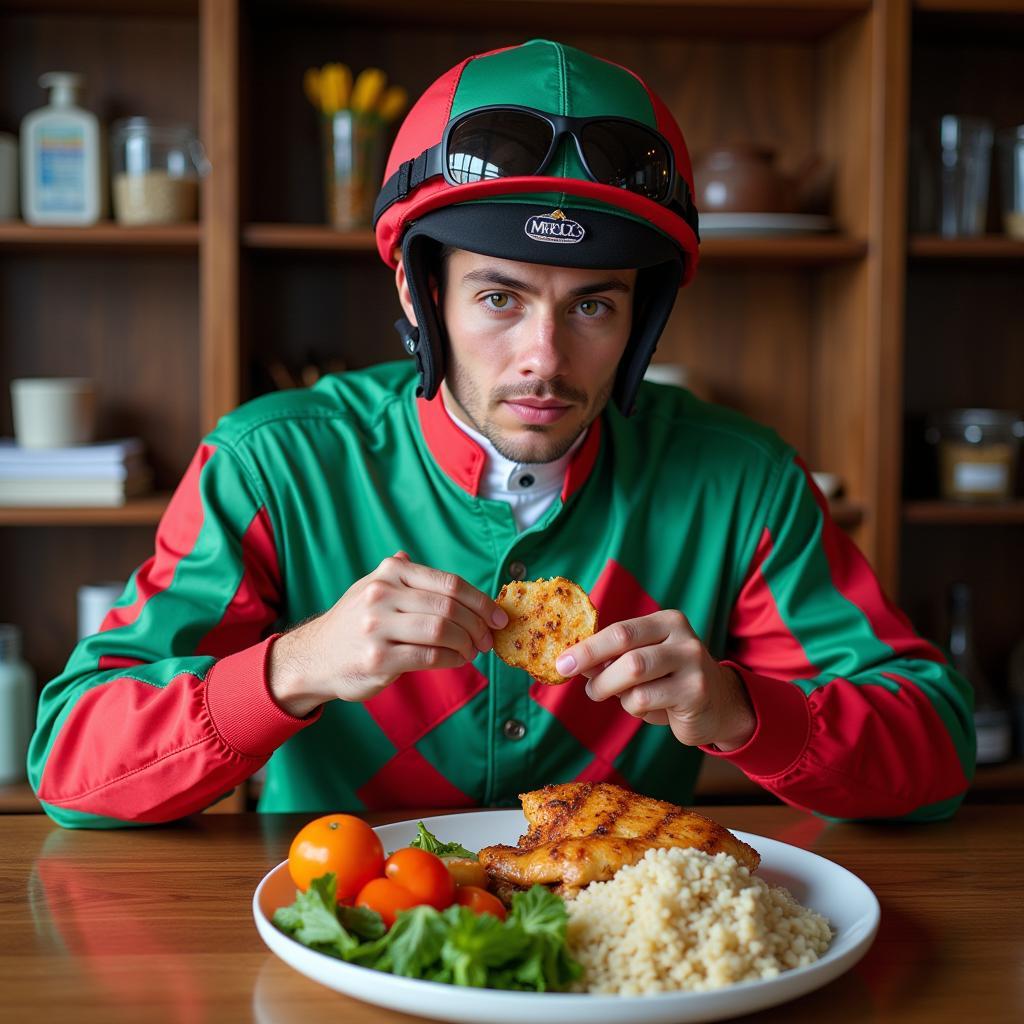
430,164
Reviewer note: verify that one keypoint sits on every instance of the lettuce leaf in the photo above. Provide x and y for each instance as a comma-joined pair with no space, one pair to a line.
313,919
426,840
526,952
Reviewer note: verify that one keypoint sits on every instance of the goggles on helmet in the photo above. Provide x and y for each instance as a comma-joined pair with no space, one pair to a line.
505,141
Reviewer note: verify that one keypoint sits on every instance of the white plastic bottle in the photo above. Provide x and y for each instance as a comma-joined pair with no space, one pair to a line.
17,705
62,163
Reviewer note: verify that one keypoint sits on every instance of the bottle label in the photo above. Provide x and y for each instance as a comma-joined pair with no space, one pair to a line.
981,477
62,171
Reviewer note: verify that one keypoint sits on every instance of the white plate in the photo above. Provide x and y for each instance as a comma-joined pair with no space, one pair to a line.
727,225
818,883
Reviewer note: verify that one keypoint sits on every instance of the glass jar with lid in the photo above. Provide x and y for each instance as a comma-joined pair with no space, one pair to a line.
978,453
155,170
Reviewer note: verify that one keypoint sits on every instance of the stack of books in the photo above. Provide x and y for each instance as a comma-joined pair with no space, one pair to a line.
105,474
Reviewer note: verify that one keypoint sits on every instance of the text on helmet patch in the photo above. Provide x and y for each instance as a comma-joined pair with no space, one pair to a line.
554,227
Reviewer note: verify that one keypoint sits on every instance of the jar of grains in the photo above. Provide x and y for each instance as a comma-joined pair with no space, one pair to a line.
978,453
155,170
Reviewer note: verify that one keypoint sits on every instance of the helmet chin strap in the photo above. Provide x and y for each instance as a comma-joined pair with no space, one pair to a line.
425,343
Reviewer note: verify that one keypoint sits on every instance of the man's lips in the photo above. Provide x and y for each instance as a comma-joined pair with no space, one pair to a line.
537,410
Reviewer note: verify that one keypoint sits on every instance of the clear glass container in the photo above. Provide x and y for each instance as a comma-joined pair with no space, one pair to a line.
17,705
978,453
1011,180
155,171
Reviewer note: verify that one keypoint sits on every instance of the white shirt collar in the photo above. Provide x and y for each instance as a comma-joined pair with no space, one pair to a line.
528,486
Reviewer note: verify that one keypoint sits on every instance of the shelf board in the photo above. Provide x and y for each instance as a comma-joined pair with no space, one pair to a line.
799,250
791,250
137,8
970,6
307,238
987,247
846,514
16,235
964,514
795,19
144,511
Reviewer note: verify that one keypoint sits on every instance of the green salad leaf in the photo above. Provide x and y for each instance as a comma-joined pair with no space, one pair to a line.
527,951
426,840
313,919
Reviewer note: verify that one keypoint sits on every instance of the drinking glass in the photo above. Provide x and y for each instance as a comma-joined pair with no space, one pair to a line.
964,151
1011,158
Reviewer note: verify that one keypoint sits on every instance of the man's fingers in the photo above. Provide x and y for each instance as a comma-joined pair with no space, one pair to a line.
641,665
417,657
611,642
427,602
447,584
433,631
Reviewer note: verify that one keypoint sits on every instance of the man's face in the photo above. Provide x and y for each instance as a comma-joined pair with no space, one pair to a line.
533,349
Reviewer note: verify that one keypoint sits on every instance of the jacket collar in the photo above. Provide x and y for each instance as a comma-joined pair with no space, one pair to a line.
464,460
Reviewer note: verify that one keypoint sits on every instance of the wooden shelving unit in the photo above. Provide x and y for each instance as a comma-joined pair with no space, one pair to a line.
27,238
144,511
947,513
837,341
960,343
988,247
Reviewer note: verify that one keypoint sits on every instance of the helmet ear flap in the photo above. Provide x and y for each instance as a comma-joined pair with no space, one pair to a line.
426,342
653,299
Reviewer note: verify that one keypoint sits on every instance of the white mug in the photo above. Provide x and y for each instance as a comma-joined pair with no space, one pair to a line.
668,373
94,601
53,412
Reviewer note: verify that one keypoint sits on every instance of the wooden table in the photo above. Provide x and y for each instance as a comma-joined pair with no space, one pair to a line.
154,924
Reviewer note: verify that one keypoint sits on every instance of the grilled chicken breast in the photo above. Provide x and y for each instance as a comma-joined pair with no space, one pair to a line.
582,832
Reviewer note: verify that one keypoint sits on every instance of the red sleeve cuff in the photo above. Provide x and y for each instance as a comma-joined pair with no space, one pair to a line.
782,731
241,708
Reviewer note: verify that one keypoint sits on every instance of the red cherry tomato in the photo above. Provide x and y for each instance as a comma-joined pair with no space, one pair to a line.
340,843
386,897
480,901
423,874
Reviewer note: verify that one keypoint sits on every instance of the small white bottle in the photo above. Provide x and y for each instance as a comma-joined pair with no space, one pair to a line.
17,705
62,180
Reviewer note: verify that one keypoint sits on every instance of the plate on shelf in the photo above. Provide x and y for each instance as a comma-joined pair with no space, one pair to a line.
733,225
820,884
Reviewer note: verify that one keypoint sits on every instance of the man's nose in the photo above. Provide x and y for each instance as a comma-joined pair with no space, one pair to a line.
543,353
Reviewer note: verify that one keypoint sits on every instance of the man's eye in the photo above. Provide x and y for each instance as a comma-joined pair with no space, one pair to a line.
501,300
594,307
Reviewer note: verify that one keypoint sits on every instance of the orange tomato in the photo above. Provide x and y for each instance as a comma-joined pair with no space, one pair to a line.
340,843
480,901
386,897
423,874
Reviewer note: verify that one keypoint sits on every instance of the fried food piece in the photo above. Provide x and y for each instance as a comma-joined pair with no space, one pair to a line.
582,832
544,618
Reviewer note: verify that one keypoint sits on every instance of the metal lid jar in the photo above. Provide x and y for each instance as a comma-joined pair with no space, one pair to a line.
978,453
155,171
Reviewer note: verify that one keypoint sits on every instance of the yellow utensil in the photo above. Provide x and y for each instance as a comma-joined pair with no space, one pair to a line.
393,102
368,89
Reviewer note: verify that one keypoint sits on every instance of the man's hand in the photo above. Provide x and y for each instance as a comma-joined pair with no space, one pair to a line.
402,617
661,672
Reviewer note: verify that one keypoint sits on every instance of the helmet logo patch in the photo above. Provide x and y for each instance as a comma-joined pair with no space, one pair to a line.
554,227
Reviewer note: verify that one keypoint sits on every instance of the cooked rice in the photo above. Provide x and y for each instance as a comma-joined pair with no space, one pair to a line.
682,919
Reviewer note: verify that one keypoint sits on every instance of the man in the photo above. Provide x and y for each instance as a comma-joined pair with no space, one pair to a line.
320,596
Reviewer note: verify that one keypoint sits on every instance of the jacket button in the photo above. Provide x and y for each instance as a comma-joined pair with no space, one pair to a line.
517,570
514,729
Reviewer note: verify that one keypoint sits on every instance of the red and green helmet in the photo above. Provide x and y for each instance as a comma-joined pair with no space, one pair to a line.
615,189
